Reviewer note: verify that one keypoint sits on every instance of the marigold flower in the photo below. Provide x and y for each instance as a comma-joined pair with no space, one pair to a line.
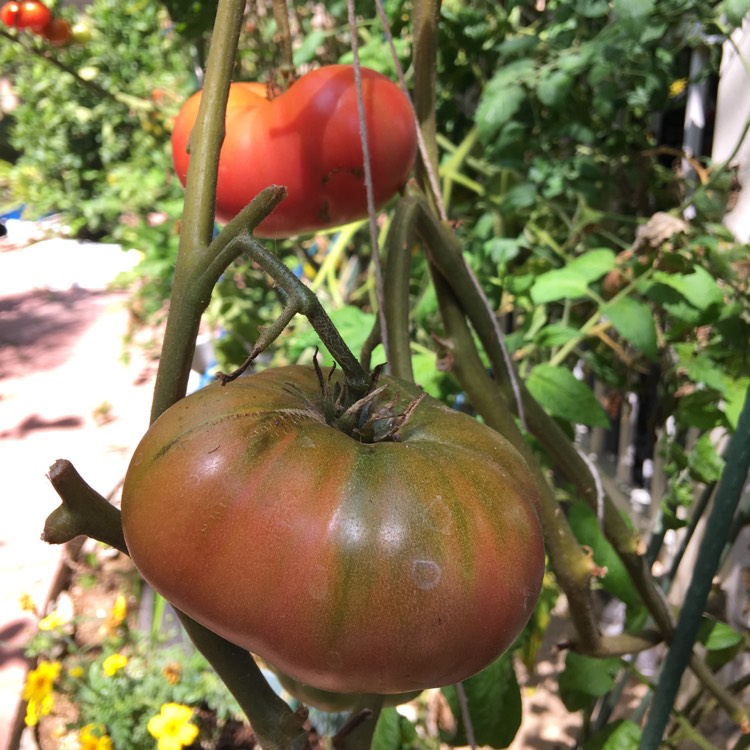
118,613
52,621
172,727
38,690
114,663
677,87
27,603
172,672
94,737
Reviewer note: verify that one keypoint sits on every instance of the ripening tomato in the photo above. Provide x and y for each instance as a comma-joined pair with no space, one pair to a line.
9,14
30,14
402,553
57,32
308,140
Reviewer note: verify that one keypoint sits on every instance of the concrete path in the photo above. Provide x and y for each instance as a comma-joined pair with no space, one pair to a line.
64,393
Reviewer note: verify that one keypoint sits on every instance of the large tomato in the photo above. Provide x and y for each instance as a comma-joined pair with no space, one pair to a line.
308,140
364,562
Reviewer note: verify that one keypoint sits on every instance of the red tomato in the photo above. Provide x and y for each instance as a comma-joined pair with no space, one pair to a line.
31,15
308,140
353,561
9,14
57,32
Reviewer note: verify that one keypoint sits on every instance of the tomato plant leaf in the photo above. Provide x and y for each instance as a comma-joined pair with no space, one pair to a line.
572,280
586,678
634,321
587,531
502,98
564,396
557,284
620,735
699,288
393,732
633,14
704,462
735,10
494,703
556,334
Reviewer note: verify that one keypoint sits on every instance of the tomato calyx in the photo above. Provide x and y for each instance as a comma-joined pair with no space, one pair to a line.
373,418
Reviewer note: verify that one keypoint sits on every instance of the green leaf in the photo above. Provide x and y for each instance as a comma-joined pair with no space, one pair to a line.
564,396
634,321
593,264
716,635
553,88
620,735
699,288
585,679
572,281
557,284
735,10
704,461
634,14
735,396
388,731
587,531
722,642
502,97
494,703
556,334
700,367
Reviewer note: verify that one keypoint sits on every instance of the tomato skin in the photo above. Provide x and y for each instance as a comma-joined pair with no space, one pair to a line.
57,32
9,14
31,15
352,567
307,139
326,700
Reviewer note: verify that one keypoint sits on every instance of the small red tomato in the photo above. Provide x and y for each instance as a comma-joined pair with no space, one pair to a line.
34,16
9,14
57,32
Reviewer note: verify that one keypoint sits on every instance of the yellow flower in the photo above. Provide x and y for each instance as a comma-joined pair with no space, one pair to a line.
76,672
94,737
172,672
27,603
677,87
118,613
38,690
113,664
172,727
51,621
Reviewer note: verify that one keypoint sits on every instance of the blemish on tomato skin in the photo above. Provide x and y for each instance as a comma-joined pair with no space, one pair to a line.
426,574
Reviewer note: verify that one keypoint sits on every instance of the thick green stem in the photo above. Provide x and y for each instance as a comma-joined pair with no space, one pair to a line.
300,299
198,215
425,18
83,510
398,245
573,569
189,302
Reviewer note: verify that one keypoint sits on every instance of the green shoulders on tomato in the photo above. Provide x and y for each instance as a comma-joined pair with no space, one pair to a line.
308,139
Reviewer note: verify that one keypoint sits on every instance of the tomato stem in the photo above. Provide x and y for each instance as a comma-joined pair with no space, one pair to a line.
300,299
281,16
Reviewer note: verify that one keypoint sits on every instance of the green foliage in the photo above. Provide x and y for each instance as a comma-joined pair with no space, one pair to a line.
493,701
585,679
93,136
